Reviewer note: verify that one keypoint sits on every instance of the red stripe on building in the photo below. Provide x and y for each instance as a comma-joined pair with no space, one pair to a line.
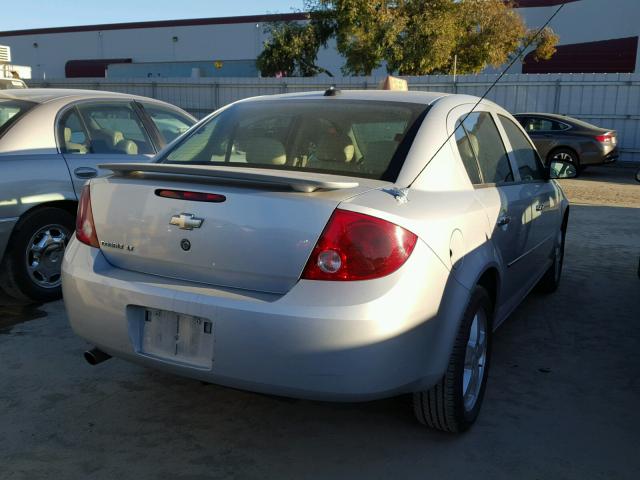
607,56
540,3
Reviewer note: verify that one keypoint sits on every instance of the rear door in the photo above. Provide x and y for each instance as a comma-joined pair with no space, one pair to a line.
91,133
487,163
539,191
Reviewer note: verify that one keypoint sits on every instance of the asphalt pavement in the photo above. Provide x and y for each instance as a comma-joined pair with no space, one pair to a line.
562,400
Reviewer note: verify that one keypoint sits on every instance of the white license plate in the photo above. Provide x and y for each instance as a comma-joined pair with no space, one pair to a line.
179,338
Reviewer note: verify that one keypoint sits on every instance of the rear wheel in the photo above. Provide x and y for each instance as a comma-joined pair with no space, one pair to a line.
31,268
566,155
453,404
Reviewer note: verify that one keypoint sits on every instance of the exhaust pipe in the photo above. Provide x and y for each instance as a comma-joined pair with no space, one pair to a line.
96,356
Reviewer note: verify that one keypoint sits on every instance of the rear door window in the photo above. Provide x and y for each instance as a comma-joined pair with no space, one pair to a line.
467,155
115,128
486,143
526,158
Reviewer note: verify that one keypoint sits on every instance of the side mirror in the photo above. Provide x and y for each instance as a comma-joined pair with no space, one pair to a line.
638,176
562,169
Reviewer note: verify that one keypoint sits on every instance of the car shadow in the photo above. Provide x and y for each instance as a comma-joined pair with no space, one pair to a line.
616,174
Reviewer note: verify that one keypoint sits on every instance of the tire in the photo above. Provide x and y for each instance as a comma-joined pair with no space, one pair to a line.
30,269
445,406
551,279
566,155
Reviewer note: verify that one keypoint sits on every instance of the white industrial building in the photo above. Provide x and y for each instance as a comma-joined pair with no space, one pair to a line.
595,36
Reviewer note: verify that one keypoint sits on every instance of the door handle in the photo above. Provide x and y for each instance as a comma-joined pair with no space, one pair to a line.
540,207
85,172
503,220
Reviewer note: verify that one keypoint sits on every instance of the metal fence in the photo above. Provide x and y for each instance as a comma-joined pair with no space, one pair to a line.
608,100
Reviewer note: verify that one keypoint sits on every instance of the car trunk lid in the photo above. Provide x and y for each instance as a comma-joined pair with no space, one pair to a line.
258,238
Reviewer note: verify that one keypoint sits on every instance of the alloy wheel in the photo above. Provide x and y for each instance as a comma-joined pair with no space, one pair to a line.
44,255
475,360
564,157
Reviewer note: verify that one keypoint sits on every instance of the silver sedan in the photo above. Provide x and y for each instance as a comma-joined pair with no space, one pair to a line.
51,142
341,246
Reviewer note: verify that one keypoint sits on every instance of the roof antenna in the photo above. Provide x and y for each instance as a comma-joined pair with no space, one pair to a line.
332,91
488,90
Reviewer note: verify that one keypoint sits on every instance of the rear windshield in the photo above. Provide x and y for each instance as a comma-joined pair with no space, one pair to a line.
346,137
10,111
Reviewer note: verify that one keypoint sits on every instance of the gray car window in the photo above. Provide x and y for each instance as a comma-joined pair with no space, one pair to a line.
525,156
115,128
488,147
544,125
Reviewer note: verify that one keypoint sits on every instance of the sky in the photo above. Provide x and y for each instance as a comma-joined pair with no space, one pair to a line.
23,14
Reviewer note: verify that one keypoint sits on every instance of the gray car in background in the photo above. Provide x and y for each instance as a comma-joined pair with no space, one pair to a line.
558,137
51,142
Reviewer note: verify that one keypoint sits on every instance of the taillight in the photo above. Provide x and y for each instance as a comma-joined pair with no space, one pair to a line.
354,246
606,138
193,196
85,229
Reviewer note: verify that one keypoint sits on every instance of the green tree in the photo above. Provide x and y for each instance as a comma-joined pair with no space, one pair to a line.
291,51
492,32
412,37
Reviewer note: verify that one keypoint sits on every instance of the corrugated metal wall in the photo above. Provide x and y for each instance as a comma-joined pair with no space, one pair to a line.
608,100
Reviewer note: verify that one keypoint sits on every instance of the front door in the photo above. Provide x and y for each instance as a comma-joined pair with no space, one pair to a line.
539,192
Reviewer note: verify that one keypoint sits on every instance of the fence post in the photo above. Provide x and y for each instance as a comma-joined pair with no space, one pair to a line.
455,74
154,89
216,95
556,100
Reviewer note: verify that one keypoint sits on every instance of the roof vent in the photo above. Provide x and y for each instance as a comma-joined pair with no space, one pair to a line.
394,83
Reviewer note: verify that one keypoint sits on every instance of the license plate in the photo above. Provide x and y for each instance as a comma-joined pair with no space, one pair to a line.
177,337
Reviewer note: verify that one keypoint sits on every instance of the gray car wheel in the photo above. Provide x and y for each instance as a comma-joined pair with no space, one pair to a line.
32,264
453,404
566,155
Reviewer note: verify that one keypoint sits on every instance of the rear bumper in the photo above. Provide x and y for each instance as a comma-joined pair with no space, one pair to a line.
600,155
321,340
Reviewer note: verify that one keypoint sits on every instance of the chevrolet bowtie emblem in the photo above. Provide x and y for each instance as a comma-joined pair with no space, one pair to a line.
186,221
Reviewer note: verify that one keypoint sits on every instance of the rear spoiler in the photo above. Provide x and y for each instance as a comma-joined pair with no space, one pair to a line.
287,179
